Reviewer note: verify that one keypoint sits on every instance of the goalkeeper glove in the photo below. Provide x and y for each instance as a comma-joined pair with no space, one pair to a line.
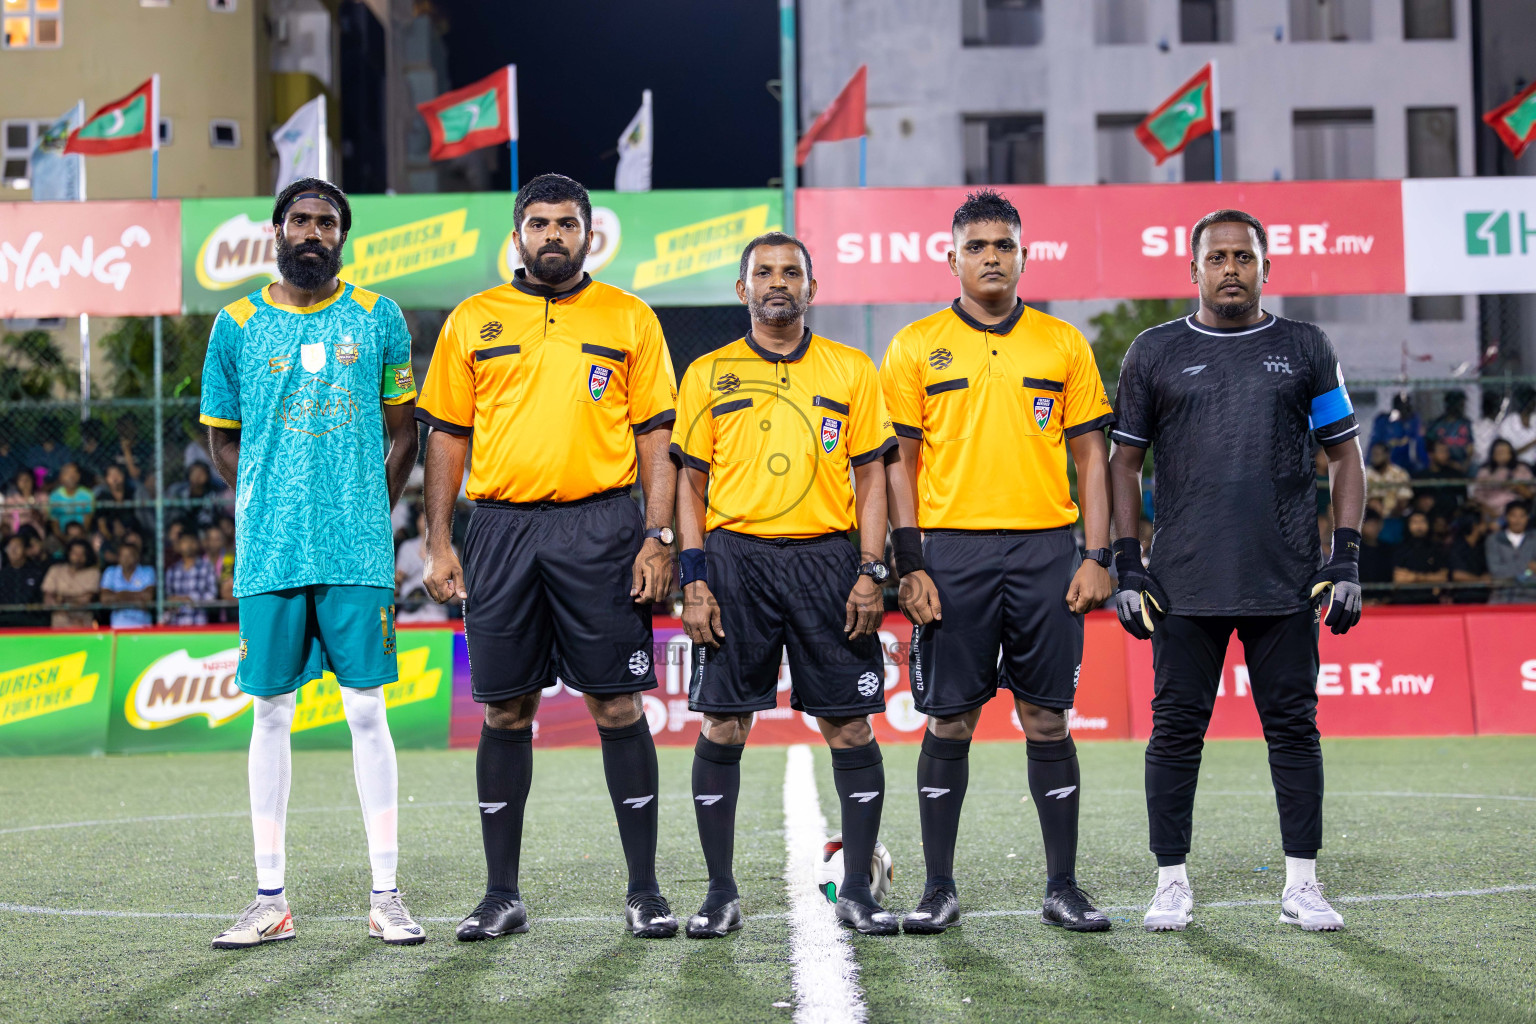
1141,601
1336,586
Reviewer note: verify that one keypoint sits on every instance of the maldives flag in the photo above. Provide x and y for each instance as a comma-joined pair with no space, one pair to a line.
479,115
1515,121
1185,115
843,119
120,126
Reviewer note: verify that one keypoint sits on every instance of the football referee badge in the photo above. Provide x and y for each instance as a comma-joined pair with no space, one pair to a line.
831,430
597,381
1043,407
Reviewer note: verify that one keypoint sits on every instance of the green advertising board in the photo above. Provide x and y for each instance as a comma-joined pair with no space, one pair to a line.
177,691
55,689
674,248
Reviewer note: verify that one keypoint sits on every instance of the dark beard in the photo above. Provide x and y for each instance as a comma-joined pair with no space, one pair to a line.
1234,310
307,275
554,272
776,315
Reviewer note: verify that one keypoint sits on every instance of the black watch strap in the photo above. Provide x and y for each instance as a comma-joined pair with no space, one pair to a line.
876,570
1104,556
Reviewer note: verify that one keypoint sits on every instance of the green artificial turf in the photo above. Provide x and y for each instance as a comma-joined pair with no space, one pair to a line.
170,836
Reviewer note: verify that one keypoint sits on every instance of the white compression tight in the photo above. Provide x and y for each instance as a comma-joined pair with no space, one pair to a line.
373,763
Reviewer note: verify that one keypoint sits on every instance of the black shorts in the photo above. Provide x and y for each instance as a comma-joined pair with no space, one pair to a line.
1003,590
549,594
773,592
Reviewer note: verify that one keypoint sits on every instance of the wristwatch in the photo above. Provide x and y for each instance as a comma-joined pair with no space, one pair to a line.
1104,556
661,533
877,571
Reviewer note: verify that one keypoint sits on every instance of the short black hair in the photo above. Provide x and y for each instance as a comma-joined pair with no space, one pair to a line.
983,205
90,552
1228,217
774,238
285,199
553,188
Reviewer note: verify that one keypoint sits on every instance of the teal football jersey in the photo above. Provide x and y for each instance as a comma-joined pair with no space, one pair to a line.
304,387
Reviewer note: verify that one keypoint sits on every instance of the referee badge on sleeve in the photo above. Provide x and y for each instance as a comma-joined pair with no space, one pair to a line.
597,381
1043,407
831,430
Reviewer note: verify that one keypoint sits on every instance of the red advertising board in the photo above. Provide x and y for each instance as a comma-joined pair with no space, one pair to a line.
1398,673
1105,241
1502,645
563,720
103,258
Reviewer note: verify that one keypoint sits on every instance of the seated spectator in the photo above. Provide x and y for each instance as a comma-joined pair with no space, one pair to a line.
21,583
1386,482
412,601
94,458
24,504
49,455
1402,432
221,556
1485,429
75,582
1512,557
135,456
1468,561
1375,556
71,502
1453,429
189,581
113,498
198,494
1447,496
129,586
1519,427
1499,477
1418,560
10,459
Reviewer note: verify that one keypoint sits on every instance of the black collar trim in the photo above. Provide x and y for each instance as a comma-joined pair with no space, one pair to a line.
1002,327
774,357
521,283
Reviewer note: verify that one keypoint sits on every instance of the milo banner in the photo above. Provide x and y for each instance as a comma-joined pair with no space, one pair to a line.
54,692
177,691
432,251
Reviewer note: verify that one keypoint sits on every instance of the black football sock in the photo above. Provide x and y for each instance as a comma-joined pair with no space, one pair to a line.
716,783
943,771
503,771
1054,786
629,763
859,774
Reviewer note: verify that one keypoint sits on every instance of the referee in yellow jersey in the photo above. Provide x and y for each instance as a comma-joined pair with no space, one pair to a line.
987,396
566,388
769,428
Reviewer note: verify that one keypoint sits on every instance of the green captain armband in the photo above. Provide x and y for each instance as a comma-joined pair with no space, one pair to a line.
399,385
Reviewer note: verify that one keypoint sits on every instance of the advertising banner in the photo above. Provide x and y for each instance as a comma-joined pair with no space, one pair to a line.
54,693
106,259
675,248
563,720
177,691
1469,235
1106,241
1392,675
1503,650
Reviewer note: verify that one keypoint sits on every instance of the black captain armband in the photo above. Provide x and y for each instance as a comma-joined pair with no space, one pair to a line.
907,548
694,565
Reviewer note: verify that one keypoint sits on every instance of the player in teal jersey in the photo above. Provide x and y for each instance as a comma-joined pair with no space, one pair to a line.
301,383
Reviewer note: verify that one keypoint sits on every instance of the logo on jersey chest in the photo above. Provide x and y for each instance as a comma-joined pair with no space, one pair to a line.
1277,364
1043,408
312,356
597,381
831,430
939,358
346,352
727,383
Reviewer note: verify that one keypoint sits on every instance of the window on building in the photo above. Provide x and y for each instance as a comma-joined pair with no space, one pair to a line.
1205,21
1333,144
1330,21
1002,22
1122,157
1436,307
1327,309
1432,142
1429,19
1117,22
17,140
1200,154
32,24
1005,150
221,5
224,134
167,131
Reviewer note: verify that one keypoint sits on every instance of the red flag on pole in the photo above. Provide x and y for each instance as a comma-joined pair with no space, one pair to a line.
120,126
1515,121
482,114
843,119
1188,114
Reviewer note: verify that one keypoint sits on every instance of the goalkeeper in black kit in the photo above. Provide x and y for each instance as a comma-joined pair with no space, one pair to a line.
1234,401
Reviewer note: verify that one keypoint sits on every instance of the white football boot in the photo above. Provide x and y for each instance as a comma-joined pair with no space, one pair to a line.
262,921
1173,907
1303,905
389,920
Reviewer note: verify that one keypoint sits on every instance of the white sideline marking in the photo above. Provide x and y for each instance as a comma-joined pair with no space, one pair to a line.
826,979
1374,898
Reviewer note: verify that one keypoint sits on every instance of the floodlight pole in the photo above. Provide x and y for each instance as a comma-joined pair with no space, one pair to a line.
788,108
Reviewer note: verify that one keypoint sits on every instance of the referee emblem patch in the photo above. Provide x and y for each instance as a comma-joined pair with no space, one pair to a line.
831,430
639,662
869,684
939,358
1043,407
597,381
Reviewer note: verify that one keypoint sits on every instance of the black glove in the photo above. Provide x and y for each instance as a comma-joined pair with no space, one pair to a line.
1141,602
1338,583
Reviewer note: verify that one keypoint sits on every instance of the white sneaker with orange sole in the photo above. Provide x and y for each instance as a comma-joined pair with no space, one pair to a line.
262,921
